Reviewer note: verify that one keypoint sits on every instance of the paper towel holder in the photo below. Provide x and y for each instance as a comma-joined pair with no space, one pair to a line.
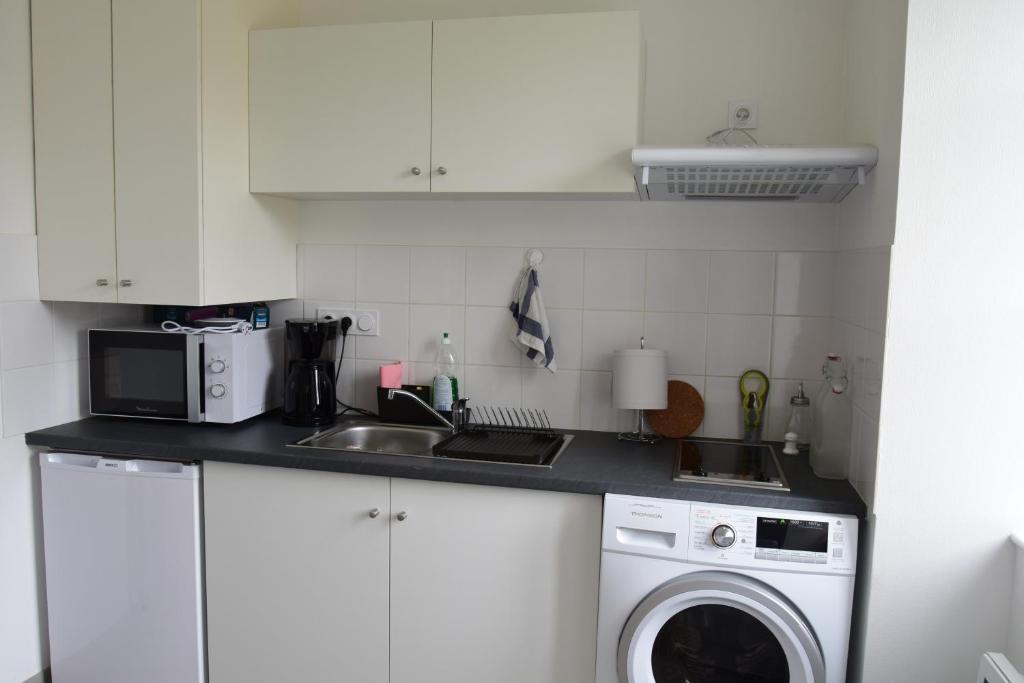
639,382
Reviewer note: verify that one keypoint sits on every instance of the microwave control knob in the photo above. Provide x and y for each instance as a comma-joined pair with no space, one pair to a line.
218,390
723,536
218,366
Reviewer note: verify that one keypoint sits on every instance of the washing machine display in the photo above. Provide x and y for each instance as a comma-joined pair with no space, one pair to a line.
688,593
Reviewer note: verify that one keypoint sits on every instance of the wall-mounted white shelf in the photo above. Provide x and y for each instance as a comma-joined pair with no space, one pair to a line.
774,173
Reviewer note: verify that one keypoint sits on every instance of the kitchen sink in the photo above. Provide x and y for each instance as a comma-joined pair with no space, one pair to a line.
376,437
398,439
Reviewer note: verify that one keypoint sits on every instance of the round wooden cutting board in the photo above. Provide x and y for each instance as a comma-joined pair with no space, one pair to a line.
683,415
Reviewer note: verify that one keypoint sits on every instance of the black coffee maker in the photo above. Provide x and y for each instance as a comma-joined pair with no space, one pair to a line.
309,391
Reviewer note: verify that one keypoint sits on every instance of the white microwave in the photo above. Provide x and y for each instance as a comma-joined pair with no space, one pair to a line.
202,377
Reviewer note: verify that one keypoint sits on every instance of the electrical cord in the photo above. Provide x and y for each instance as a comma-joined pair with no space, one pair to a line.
241,326
346,323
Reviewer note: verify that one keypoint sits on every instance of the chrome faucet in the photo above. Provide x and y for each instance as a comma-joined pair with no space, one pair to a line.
426,406
460,415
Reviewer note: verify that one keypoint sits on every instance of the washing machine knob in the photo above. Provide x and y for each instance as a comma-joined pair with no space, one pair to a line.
723,536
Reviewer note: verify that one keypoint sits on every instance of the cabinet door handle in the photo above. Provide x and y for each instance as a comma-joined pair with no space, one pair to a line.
125,283
374,513
415,170
441,170
402,516
102,282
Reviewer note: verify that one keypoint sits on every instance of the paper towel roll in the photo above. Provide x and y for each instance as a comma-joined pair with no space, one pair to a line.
640,379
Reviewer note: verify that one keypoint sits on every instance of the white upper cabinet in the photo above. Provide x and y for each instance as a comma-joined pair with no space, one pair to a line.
157,162
536,104
340,109
74,149
141,122
533,105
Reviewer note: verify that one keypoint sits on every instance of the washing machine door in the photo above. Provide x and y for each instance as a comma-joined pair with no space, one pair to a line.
718,627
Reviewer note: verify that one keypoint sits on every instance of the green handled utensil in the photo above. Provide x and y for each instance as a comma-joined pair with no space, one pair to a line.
753,397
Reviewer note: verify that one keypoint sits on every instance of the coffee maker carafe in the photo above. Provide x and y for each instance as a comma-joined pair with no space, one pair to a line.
309,393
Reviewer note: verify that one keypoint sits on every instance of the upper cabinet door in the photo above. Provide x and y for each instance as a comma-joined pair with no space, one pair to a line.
340,109
157,114
536,104
74,149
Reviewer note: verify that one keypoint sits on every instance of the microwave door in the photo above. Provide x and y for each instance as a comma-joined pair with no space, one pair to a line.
146,374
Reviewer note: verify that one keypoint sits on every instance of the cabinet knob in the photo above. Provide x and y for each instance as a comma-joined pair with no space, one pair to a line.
415,170
102,282
402,516
125,283
374,513
441,170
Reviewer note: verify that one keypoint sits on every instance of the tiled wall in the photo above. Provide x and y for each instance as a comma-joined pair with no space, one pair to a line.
716,313
859,309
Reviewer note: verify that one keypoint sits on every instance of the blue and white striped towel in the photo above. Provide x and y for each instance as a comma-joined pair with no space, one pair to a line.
530,321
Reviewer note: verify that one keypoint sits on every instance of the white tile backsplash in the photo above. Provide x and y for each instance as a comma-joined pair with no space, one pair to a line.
438,275
71,323
722,417
29,401
489,337
327,271
677,281
711,311
488,385
392,343
557,394
426,325
683,336
382,274
799,346
737,343
491,274
614,279
70,390
567,338
803,284
26,334
741,282
606,331
561,278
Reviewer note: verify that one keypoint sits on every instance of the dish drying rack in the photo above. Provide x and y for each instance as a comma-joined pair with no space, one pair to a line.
520,436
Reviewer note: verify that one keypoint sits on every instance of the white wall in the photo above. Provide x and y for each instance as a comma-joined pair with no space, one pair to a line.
950,461
1016,644
42,368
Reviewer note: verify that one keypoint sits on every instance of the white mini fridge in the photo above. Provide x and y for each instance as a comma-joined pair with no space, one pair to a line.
123,554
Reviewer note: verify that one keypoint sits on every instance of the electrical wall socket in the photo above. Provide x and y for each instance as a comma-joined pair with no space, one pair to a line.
365,323
743,114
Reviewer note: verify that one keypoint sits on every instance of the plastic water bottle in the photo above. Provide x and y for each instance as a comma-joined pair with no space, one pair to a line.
446,384
830,448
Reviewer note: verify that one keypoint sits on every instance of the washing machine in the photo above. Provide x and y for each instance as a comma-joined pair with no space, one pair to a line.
705,593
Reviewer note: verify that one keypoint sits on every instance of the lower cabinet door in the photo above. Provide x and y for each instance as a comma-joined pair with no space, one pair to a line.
296,575
492,584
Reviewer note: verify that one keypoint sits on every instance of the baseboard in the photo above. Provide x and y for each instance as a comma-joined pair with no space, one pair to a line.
41,677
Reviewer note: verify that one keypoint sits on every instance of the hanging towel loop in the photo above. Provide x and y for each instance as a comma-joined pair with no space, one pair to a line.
534,257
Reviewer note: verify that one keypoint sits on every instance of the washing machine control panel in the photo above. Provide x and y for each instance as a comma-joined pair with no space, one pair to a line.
772,539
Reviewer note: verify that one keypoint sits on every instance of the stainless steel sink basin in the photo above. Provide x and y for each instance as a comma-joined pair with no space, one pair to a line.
375,437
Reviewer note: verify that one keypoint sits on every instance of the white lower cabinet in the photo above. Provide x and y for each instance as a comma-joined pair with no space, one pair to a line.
493,584
449,583
296,575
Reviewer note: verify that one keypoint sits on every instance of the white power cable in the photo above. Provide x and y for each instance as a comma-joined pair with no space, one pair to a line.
241,326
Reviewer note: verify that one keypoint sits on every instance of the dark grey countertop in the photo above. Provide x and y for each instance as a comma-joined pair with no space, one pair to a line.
594,463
